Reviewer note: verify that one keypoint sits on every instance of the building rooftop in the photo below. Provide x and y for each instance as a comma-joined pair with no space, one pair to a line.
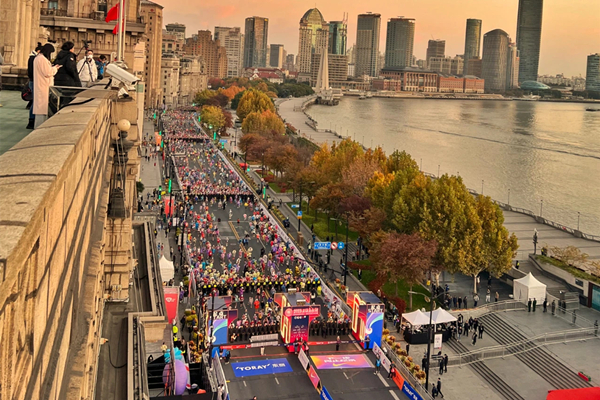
408,69
534,85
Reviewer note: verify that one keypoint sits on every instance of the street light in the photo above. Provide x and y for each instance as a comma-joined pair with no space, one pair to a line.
509,196
482,186
535,240
541,206
578,215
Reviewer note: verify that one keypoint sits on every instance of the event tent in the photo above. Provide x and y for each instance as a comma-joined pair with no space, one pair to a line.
167,270
529,288
417,318
441,316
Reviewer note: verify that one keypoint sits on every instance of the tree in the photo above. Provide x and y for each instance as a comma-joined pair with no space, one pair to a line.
231,91
218,99
357,175
263,122
236,100
403,257
213,115
253,101
216,83
366,223
570,255
279,156
202,97
252,145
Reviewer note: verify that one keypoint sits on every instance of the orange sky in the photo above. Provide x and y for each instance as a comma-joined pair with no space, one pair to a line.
570,31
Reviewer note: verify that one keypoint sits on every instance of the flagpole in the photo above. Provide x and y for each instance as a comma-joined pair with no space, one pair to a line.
120,32
124,30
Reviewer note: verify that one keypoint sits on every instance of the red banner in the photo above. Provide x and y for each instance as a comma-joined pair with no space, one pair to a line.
171,302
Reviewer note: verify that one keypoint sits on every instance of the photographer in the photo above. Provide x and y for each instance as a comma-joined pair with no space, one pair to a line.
88,71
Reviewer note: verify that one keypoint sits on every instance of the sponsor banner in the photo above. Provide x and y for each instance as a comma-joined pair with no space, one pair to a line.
384,360
399,380
374,327
410,392
325,394
312,311
261,367
314,378
299,328
437,341
219,332
171,302
342,361
303,359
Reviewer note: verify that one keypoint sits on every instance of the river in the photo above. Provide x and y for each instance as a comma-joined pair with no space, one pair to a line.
540,156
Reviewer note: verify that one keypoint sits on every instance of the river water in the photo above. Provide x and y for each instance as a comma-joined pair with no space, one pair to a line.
544,156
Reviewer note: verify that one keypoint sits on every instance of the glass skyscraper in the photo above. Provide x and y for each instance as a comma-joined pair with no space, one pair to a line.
529,33
472,39
337,37
255,42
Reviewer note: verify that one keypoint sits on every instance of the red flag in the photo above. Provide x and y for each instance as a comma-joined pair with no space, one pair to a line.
116,28
112,14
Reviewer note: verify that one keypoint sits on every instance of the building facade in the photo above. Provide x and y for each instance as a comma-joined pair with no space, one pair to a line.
447,65
171,43
192,79
529,35
169,76
277,56
232,39
338,37
152,14
313,38
18,39
177,29
399,42
436,48
410,79
512,72
337,67
213,54
495,60
366,49
290,64
592,73
255,42
473,67
472,39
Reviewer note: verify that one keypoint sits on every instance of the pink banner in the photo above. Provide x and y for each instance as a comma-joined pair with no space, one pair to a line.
314,378
341,361
171,302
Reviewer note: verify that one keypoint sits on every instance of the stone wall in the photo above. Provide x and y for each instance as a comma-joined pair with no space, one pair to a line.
54,190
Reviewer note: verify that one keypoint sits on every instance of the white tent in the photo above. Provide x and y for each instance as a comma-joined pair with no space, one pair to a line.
167,269
417,318
529,288
441,316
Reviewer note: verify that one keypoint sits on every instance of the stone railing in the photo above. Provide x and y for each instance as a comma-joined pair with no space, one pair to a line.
60,253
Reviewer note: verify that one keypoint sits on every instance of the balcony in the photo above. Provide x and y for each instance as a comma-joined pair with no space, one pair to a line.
94,21
53,11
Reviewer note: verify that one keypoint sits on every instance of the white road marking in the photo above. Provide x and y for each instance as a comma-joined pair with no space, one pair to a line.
394,395
383,380
346,376
276,380
245,384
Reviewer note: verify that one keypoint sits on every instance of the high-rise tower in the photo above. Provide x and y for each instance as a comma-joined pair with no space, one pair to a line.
313,38
529,34
255,42
399,42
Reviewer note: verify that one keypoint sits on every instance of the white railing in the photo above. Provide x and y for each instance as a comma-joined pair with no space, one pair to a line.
505,305
405,372
522,346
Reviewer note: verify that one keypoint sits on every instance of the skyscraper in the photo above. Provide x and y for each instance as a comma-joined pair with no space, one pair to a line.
495,59
233,41
472,39
436,48
529,33
213,54
512,67
592,73
276,58
338,31
255,42
177,28
367,44
313,38
399,42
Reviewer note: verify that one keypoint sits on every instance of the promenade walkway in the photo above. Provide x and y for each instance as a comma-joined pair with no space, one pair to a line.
14,118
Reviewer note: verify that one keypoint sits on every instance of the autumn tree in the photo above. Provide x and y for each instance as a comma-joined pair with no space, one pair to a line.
278,157
231,91
213,115
236,100
253,101
263,122
366,223
570,255
403,257
356,175
202,97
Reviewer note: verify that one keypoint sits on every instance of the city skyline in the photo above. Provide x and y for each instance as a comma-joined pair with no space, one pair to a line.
568,35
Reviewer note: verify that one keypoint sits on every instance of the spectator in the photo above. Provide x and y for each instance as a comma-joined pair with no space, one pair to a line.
87,69
43,78
32,56
101,65
68,75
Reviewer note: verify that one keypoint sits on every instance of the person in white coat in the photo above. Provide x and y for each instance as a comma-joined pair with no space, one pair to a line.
43,78
88,71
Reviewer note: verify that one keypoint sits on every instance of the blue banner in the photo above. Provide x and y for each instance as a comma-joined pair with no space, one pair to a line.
322,246
261,367
325,394
410,392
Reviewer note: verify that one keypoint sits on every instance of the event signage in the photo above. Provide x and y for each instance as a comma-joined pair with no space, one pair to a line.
219,332
299,328
342,361
341,245
382,357
301,311
299,214
437,341
314,378
171,302
325,394
303,359
410,392
322,246
261,367
295,206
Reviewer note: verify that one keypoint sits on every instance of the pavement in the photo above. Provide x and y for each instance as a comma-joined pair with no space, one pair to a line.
14,119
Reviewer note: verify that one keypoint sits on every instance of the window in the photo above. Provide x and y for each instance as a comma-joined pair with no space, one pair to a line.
53,5
102,6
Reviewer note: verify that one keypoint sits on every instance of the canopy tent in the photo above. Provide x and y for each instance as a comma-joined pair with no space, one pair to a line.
416,318
441,316
167,269
592,393
529,288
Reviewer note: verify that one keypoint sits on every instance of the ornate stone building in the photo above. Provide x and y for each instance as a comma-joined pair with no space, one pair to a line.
152,15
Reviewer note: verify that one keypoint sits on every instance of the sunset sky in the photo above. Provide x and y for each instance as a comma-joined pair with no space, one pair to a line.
570,30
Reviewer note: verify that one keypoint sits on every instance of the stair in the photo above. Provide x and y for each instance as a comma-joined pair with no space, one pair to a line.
155,375
559,375
486,373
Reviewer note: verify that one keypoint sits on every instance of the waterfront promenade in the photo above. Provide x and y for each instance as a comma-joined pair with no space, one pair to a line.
520,224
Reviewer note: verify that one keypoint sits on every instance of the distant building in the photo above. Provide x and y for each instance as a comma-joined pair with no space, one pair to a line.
422,64
192,79
152,13
407,79
473,84
592,73
436,48
447,65
169,76
255,42
473,67
274,75
472,39
399,42
213,54
495,59
277,56
176,29
338,32
450,84
367,44
352,70
172,43
512,72
290,65
313,38
337,66
529,34
232,40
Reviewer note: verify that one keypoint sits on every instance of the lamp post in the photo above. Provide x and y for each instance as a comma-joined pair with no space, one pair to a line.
438,170
578,215
535,241
346,255
541,206
300,206
509,196
482,186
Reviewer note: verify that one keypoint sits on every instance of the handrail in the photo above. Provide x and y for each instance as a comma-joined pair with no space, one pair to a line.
405,372
522,346
504,305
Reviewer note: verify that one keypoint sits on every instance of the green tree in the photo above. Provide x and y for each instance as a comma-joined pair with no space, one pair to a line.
213,115
203,97
236,100
253,101
263,122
